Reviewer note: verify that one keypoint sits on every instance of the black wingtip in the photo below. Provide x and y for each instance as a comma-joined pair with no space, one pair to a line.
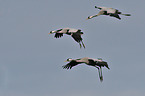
66,67
96,7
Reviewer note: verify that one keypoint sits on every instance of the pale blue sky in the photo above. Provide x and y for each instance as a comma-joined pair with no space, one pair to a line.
31,61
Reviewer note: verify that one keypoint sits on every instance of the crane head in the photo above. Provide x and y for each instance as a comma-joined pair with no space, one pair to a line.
89,17
69,59
51,32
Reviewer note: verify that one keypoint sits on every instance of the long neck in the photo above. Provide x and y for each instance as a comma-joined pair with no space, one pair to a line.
53,32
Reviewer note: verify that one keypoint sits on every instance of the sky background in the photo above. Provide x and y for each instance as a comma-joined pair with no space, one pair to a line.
31,60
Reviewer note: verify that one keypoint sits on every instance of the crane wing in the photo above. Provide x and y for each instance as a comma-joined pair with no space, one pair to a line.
57,35
77,37
98,7
92,62
70,65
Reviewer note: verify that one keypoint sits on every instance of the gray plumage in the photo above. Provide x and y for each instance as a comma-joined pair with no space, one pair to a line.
98,63
109,11
75,33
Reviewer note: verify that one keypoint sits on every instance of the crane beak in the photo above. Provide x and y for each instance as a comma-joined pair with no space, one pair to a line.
65,61
87,18
49,33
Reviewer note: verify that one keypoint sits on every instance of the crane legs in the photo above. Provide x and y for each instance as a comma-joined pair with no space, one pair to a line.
126,14
82,44
101,76
100,73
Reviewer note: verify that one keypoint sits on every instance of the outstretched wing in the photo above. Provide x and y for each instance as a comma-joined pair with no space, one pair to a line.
98,7
77,36
102,12
91,62
57,35
70,65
